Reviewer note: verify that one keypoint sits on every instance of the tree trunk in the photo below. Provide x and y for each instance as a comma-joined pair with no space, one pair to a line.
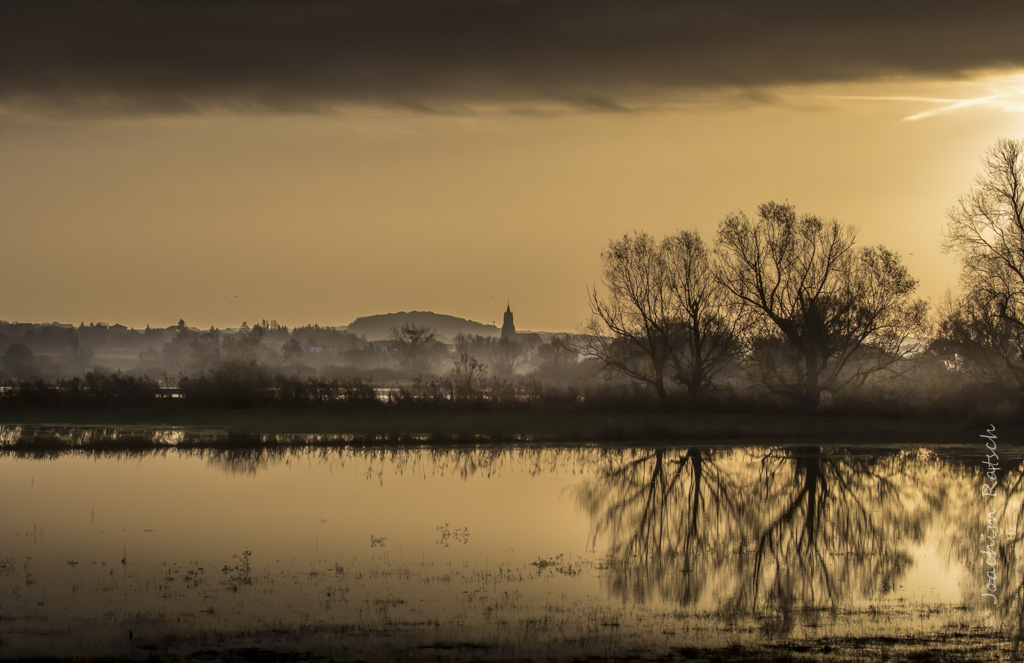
696,381
659,386
811,388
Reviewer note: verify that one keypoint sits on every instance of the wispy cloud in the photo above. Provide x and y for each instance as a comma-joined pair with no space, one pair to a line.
1005,93
965,103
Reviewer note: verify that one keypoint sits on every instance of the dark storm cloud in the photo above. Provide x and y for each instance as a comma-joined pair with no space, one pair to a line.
142,57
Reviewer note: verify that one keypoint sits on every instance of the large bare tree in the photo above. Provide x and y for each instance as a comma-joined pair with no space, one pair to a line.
827,314
663,319
986,231
705,334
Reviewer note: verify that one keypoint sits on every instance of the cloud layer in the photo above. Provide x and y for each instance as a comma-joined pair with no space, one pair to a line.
130,57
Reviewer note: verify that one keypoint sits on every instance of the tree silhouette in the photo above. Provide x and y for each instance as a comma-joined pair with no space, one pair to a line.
986,231
664,319
978,342
826,314
465,380
411,342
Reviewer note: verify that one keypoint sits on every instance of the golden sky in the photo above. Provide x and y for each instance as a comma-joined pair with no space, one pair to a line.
127,195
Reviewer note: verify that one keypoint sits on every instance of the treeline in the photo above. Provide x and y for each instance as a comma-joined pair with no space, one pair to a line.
55,352
789,304
248,384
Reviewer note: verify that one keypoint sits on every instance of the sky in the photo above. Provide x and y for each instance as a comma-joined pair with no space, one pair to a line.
312,162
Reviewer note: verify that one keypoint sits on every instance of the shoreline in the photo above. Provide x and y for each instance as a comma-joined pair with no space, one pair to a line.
142,428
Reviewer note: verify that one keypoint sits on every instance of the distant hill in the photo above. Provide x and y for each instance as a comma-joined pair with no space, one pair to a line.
447,327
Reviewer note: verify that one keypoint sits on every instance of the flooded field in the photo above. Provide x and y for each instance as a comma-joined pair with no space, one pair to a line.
497,552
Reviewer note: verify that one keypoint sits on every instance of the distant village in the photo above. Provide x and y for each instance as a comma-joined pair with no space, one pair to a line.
389,348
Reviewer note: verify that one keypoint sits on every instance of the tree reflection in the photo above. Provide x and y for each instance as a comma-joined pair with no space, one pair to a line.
757,531
968,512
243,462
828,526
670,516
1008,522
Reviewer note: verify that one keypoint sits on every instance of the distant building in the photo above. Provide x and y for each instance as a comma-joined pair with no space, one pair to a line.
508,328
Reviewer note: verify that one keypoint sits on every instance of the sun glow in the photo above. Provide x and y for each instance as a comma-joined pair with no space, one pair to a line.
1004,92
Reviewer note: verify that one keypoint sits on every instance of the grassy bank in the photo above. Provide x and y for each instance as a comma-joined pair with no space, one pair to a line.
395,424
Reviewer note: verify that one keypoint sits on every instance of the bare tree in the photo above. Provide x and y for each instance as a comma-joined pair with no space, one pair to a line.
627,329
705,333
465,381
411,342
826,313
664,318
978,343
986,231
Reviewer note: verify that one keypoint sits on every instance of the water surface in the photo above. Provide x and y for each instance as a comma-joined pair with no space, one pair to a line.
494,552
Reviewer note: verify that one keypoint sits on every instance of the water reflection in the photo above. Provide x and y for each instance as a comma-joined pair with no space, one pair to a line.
673,542
773,531
1007,516
669,515
825,527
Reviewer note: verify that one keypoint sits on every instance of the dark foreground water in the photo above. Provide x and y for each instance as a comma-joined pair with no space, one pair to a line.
803,552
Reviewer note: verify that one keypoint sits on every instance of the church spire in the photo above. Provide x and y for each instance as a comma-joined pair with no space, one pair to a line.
508,328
